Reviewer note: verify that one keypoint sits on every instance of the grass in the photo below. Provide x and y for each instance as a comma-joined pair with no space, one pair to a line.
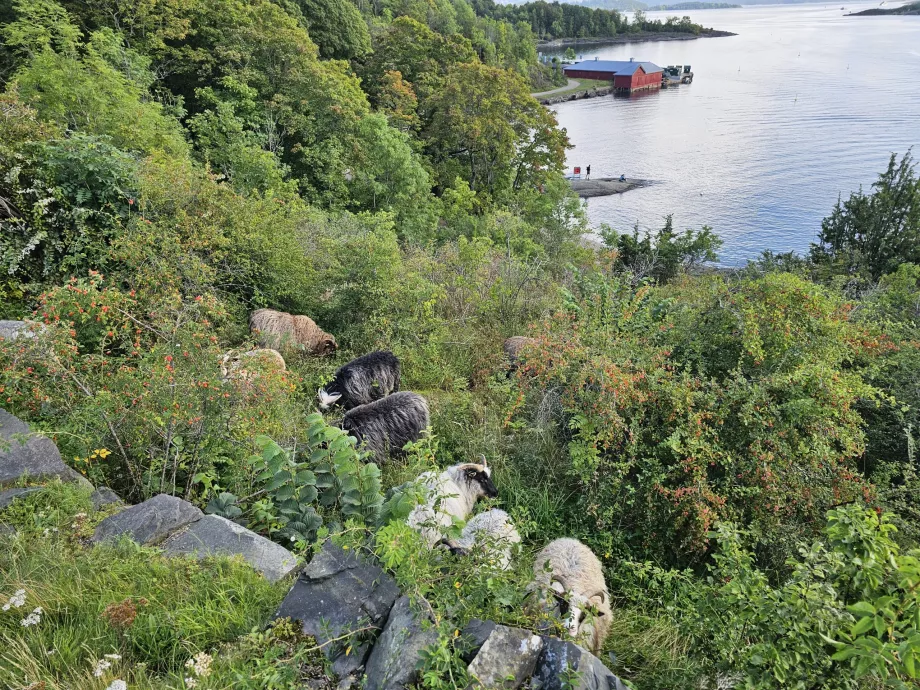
117,599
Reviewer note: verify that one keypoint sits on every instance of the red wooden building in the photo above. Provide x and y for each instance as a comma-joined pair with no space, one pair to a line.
626,76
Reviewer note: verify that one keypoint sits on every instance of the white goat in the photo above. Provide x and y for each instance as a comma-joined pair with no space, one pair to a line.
570,572
491,531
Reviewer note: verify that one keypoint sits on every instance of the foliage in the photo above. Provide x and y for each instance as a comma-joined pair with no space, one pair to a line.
753,385
152,611
869,235
337,27
665,255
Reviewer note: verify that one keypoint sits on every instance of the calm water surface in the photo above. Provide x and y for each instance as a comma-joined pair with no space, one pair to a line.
803,105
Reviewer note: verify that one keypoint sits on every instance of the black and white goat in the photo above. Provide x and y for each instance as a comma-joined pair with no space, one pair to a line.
450,494
363,380
386,425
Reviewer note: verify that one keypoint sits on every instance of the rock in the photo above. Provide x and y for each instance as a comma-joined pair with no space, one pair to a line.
10,330
149,522
507,658
213,535
474,635
9,495
23,453
336,594
7,530
104,496
561,660
393,664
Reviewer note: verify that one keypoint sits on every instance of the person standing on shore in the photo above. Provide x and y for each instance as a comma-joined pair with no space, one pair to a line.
588,171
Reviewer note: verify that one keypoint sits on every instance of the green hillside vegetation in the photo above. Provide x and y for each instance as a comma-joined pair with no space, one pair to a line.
737,447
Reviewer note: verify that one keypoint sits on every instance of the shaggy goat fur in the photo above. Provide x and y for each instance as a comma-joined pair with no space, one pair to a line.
570,572
491,531
236,365
386,425
362,380
278,329
513,347
450,494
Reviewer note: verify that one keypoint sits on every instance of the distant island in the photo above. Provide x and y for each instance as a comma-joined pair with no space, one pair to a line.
635,37
909,8
693,6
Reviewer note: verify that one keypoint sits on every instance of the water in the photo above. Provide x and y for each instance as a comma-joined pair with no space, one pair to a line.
803,105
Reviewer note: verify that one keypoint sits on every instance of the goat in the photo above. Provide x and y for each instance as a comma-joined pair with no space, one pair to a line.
386,425
573,574
513,347
235,365
361,381
278,329
450,494
491,531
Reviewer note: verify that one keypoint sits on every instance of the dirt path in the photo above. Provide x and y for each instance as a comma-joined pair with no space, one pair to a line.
571,85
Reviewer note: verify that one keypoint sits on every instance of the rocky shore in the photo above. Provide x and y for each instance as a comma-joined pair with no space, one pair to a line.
562,43
605,186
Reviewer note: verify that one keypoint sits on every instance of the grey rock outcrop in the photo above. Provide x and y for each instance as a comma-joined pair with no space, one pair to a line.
9,495
506,659
393,663
104,496
213,535
339,593
10,330
24,454
472,638
562,661
149,522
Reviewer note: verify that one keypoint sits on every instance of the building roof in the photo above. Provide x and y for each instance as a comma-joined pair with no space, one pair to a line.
619,67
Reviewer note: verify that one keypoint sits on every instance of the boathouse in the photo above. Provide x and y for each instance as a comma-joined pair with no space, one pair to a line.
632,75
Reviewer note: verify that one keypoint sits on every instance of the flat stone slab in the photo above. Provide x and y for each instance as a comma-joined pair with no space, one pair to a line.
393,663
104,496
506,660
336,594
562,660
213,535
23,453
149,522
9,495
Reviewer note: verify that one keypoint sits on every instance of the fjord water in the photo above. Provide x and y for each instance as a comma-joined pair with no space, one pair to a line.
802,105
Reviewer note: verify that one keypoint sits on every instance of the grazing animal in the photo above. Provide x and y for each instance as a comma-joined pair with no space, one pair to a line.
278,329
450,494
362,380
491,530
235,365
513,347
386,425
572,574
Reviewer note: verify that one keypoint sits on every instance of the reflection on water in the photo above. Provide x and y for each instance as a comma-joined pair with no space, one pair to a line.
803,105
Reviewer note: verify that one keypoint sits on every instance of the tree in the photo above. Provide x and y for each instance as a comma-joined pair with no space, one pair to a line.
483,124
337,27
869,235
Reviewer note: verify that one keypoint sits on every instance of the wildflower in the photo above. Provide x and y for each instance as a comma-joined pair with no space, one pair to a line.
117,685
200,664
101,667
16,601
33,618
457,585
113,657
190,682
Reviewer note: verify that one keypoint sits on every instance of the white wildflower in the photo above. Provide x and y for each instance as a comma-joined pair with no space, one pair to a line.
200,664
114,657
190,682
117,685
33,618
101,667
16,601
50,652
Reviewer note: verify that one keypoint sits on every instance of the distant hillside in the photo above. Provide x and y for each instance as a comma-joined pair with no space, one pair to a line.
909,8
693,6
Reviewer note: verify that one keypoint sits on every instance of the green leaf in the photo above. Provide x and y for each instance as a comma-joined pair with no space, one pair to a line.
864,625
861,608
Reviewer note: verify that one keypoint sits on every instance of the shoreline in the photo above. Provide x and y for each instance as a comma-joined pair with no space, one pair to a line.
630,38
606,186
